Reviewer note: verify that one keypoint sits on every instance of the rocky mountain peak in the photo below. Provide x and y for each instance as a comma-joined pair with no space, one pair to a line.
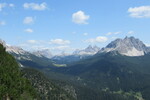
90,50
128,46
43,53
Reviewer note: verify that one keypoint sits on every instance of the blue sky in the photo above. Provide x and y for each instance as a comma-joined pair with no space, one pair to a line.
65,25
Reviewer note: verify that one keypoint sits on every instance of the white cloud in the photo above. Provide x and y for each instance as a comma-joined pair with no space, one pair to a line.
115,33
29,30
148,45
35,6
80,17
131,32
59,41
11,5
85,34
61,47
109,33
114,38
34,45
74,32
32,41
28,20
140,12
2,23
98,39
4,5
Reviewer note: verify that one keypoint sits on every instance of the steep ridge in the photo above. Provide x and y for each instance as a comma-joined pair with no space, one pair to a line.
128,46
90,50
13,86
43,53
77,55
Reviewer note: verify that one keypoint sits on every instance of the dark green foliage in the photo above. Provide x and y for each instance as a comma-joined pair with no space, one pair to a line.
12,84
114,72
85,93
46,89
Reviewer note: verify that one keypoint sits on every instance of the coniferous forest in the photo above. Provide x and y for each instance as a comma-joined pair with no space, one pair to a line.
25,84
13,86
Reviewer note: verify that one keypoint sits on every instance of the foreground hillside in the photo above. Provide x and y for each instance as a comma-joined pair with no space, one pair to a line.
46,88
12,85
26,84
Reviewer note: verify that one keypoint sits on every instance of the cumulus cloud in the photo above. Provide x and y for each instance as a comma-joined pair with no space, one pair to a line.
140,12
113,33
131,32
114,38
80,17
74,32
28,20
35,6
34,45
2,23
32,41
29,30
61,47
11,5
4,5
109,33
148,45
85,34
59,42
98,39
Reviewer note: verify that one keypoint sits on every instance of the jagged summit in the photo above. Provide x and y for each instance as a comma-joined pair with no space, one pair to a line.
12,49
15,49
128,46
90,50
45,52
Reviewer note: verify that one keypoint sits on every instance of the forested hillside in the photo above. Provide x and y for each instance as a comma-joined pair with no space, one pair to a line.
47,89
111,76
12,85
26,84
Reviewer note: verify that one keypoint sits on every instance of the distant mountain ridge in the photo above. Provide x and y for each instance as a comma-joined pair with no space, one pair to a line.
128,46
45,52
90,50
77,55
14,50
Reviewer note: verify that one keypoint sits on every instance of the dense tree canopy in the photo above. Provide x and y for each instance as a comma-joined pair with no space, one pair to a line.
12,85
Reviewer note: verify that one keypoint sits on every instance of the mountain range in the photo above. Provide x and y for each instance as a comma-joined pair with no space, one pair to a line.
128,46
119,71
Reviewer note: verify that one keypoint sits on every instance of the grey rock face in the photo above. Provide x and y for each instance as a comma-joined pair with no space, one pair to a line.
90,50
128,46
46,53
